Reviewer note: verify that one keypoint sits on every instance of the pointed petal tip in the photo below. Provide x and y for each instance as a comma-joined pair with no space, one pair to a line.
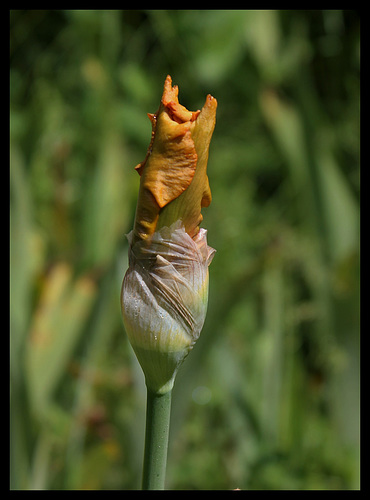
211,102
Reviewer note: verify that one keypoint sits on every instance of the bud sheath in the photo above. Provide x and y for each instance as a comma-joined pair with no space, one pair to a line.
164,299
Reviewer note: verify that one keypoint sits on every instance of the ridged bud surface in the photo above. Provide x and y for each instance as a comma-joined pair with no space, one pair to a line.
164,300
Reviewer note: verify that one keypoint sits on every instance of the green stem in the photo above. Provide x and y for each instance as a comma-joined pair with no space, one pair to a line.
156,439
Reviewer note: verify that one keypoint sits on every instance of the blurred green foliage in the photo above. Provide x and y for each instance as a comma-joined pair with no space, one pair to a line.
269,397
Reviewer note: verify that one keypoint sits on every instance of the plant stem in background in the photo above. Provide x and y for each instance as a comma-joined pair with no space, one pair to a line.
156,439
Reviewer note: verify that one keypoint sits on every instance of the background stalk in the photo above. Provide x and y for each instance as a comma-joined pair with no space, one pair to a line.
156,439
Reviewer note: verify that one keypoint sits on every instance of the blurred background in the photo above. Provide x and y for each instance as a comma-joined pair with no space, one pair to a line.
269,397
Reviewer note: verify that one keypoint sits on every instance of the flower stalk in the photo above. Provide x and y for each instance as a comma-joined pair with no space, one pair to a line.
156,440
165,289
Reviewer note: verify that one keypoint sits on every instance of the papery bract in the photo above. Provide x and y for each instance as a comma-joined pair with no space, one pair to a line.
165,295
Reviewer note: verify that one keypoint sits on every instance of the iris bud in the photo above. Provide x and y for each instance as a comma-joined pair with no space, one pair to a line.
165,289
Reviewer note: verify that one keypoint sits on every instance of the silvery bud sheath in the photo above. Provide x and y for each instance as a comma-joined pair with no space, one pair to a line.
165,289
165,293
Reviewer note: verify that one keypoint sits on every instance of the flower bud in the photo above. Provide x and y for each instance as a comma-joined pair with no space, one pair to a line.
165,289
